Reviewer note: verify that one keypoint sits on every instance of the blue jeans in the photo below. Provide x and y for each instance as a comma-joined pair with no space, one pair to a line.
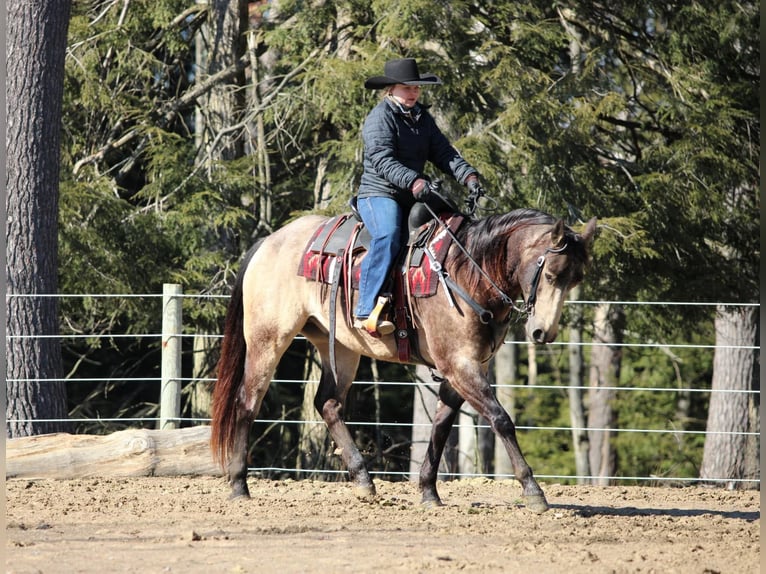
383,217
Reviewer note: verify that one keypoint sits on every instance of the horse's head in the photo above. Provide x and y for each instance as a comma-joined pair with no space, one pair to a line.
552,265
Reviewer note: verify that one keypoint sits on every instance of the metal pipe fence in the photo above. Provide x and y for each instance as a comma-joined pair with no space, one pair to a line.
171,380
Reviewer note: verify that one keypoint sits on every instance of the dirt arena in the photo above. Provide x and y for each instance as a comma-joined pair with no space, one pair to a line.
188,525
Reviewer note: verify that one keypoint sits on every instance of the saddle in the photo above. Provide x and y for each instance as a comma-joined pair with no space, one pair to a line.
334,254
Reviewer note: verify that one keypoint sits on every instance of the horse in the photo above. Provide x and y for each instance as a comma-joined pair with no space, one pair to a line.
493,261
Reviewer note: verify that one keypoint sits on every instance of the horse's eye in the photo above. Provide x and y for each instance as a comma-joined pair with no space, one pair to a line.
550,278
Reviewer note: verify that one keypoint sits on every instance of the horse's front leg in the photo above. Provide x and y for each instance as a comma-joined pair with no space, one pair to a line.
447,410
332,413
474,387
501,423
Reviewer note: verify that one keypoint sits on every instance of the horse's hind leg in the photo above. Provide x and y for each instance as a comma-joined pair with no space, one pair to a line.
259,370
446,412
329,401
237,466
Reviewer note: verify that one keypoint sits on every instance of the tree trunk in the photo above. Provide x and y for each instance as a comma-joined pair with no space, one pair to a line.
729,413
203,367
36,44
262,204
468,441
604,372
423,408
132,452
219,44
532,364
225,45
576,408
475,443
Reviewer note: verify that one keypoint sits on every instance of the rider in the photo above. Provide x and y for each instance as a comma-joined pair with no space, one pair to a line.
399,137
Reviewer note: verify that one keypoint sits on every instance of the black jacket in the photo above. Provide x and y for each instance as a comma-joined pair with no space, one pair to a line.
396,148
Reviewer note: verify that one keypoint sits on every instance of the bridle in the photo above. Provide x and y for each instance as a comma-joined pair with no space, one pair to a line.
485,315
529,306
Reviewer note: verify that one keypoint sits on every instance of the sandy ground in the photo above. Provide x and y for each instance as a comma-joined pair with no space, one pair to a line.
188,525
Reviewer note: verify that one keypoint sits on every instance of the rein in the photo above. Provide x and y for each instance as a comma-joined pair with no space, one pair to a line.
485,315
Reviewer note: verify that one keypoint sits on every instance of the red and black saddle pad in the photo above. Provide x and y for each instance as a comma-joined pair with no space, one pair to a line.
341,233
422,278
345,233
335,253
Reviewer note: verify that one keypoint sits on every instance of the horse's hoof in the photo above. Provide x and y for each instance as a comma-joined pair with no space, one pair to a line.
365,492
431,502
239,495
239,490
536,503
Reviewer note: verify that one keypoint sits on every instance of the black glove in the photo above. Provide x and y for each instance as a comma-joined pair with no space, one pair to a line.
474,186
472,181
421,189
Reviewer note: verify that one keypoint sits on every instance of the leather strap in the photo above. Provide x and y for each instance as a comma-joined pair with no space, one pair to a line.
334,310
403,346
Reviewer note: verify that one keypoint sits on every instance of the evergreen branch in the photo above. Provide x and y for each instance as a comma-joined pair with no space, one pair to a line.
168,113
110,145
252,114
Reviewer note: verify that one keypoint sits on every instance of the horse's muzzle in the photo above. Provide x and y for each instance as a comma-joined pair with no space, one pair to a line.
538,333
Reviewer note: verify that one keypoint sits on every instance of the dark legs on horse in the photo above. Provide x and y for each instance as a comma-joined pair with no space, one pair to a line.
446,412
237,467
329,403
501,423
256,380
486,404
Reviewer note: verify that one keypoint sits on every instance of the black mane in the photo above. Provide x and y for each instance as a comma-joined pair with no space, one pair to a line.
481,236
486,241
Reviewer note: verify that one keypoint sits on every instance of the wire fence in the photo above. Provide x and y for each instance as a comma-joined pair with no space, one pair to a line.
174,419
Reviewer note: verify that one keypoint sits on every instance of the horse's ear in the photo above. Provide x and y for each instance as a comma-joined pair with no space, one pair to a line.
590,231
558,234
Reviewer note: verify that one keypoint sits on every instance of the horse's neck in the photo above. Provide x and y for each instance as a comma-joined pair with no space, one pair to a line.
500,268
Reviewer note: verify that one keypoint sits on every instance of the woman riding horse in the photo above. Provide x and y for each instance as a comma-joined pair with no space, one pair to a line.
399,137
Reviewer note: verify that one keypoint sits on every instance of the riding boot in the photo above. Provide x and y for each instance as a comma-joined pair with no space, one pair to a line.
373,324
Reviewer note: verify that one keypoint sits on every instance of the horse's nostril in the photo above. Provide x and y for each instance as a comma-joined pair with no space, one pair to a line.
538,336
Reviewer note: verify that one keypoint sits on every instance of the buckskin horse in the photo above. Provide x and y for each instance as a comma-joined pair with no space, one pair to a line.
489,264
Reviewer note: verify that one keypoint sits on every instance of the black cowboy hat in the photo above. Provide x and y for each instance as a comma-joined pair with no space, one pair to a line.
404,71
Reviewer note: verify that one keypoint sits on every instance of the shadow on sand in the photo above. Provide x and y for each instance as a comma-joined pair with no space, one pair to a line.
588,511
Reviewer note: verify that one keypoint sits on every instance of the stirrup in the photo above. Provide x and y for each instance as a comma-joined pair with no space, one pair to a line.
375,329
373,324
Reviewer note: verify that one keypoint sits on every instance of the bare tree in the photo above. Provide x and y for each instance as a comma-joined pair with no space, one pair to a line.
219,46
505,372
576,407
606,359
222,105
313,444
36,44
423,409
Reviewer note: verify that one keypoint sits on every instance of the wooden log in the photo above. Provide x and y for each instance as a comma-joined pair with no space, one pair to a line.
133,452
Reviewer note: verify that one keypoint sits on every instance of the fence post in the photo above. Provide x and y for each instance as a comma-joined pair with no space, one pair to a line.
170,395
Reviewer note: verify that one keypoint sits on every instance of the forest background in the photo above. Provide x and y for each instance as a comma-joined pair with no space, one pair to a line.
191,129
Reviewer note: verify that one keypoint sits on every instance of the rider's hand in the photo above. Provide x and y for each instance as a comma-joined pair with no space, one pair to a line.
472,181
420,189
